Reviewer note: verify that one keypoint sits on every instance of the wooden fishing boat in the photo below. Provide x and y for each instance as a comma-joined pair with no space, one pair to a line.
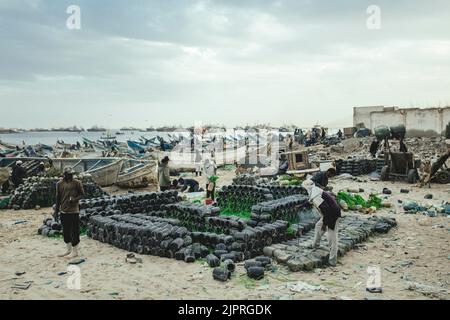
139,175
104,171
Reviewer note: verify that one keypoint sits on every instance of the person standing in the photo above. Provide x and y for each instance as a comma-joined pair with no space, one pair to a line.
69,191
210,169
18,174
164,174
329,222
290,142
198,163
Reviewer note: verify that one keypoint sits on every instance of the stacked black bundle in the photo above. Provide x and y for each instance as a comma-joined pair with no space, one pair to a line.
240,198
287,209
131,203
244,244
50,228
245,179
279,192
227,223
139,234
192,215
41,191
356,167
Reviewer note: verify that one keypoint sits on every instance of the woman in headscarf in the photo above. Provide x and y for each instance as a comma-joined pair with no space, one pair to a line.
330,215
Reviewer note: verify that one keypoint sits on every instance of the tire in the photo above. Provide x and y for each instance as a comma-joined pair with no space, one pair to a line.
384,175
442,177
412,176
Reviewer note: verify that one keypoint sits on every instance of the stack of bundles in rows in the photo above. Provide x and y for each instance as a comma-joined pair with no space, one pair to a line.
41,191
247,243
241,198
141,235
241,245
192,215
298,255
130,203
226,224
279,192
287,209
356,167
249,179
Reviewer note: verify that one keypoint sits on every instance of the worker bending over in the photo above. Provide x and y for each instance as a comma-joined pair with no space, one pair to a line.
330,216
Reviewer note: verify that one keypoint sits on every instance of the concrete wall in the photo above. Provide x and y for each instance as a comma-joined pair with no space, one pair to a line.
418,122
362,115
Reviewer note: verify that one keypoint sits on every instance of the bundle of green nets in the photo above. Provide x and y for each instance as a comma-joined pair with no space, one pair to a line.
352,200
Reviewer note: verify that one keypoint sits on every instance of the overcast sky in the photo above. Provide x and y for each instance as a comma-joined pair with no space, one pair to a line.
232,62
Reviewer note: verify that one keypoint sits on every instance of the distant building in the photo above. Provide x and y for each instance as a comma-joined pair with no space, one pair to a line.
418,122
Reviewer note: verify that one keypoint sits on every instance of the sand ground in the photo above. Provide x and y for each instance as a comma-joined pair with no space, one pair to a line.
417,251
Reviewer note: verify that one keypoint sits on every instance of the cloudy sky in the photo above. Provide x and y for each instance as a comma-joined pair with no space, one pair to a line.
232,62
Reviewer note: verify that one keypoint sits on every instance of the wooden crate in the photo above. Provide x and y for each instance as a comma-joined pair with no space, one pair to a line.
298,160
348,132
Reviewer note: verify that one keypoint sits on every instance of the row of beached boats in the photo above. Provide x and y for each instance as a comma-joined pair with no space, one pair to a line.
123,172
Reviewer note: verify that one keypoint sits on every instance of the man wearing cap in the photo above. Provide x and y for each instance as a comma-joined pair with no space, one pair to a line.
68,192
330,215
18,174
164,174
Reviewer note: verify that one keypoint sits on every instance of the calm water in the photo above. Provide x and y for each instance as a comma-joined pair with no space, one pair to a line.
50,138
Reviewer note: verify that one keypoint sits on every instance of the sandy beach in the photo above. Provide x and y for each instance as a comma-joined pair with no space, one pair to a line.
413,259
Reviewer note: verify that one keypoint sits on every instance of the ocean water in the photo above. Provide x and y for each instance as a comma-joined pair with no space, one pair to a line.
50,138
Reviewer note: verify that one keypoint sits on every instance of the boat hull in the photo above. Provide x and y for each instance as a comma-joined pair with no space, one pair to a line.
139,178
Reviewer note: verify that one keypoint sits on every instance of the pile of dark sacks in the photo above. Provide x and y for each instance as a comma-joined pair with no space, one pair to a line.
353,229
145,202
192,215
50,228
41,191
287,209
144,234
356,167
242,197
250,179
279,192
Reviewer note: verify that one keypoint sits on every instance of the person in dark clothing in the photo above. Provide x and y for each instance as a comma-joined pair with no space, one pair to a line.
174,185
189,185
162,145
164,174
18,174
321,178
329,222
69,191
374,147
339,134
284,165
41,169
403,147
